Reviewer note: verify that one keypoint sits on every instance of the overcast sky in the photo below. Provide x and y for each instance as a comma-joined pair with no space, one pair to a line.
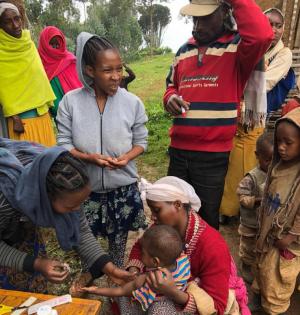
178,31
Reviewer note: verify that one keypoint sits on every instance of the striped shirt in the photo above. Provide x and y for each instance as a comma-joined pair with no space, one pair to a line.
212,79
181,275
89,249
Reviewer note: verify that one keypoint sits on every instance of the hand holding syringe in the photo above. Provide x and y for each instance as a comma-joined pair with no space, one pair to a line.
177,105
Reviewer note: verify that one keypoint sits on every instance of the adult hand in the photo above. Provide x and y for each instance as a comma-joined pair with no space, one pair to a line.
18,124
119,162
285,241
53,270
174,105
117,275
134,270
98,159
92,289
164,285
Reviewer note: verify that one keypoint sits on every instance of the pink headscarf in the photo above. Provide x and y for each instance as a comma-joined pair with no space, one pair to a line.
58,62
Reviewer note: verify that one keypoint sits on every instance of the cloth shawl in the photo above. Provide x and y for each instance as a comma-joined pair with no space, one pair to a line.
278,62
282,216
278,59
23,82
170,188
25,188
58,62
254,108
6,5
272,52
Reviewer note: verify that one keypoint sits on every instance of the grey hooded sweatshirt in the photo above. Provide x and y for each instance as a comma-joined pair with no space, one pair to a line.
114,132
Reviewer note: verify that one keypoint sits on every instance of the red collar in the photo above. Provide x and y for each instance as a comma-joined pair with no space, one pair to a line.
223,39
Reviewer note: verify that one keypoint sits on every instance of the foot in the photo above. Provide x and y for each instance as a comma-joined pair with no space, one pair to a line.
255,303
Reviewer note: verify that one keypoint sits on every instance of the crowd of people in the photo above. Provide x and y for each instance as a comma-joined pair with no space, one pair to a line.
224,82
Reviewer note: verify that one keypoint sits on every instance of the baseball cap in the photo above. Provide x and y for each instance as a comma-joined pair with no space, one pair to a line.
200,7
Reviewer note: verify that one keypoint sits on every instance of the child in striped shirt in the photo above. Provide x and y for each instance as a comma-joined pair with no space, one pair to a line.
162,252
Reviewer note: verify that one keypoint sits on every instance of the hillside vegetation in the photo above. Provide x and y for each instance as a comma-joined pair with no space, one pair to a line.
150,85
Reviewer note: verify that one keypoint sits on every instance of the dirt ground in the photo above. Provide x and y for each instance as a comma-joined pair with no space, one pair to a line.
229,232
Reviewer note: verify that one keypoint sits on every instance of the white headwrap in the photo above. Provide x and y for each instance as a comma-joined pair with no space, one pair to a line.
5,5
170,188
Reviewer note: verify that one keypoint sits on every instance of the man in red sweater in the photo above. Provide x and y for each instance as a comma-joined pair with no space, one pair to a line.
203,92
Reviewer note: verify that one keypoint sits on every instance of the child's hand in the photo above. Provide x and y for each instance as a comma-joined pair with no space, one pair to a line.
81,281
93,290
285,241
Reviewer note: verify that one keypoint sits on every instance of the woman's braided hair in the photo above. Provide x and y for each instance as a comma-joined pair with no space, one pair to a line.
93,46
67,174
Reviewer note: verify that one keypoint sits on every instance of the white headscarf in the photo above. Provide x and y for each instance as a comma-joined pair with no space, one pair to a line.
5,5
170,188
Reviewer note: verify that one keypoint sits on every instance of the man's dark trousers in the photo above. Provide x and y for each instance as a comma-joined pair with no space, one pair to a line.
206,172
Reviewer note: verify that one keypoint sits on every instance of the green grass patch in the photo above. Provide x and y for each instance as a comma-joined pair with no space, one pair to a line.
150,85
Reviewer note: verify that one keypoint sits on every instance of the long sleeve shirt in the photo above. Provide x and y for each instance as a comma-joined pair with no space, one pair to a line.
210,264
89,249
212,78
113,132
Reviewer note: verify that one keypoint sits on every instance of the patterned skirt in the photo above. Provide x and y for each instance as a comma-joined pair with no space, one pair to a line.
114,213
34,245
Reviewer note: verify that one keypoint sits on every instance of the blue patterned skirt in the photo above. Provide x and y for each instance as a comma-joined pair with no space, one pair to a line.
34,245
116,212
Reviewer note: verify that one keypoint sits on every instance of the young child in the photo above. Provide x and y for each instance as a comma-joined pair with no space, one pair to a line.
278,243
162,255
250,191
104,126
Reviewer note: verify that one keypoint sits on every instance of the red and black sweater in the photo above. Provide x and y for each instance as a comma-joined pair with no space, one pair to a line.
210,263
212,78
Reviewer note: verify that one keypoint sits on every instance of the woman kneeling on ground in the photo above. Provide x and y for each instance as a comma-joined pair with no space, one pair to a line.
44,188
215,287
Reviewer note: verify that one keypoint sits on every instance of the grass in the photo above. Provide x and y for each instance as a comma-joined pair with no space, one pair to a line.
150,85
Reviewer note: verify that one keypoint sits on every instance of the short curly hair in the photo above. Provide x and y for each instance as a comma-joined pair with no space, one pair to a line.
163,242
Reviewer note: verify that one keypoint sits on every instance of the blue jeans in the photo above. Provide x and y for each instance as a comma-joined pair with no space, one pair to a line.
206,172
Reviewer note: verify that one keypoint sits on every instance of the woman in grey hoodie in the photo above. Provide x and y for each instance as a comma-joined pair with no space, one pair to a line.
104,126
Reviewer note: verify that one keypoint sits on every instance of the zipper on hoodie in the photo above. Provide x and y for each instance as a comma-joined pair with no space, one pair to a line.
101,138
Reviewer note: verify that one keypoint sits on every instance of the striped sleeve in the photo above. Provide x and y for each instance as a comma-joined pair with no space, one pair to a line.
171,82
90,250
10,256
183,272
